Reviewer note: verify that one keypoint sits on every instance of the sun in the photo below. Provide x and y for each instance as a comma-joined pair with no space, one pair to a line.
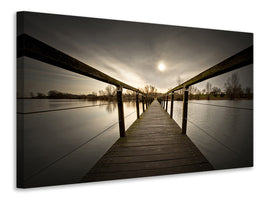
161,67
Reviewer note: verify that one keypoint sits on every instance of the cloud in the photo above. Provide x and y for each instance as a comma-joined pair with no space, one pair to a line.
130,52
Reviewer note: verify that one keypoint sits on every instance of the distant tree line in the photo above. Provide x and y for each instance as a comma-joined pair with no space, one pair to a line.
108,94
233,90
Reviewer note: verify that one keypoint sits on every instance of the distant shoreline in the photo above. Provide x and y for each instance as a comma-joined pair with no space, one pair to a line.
200,98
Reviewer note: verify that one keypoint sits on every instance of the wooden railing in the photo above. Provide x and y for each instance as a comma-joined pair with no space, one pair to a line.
35,49
241,59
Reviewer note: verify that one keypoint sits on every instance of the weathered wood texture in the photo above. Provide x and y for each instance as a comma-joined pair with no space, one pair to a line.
241,59
33,48
153,146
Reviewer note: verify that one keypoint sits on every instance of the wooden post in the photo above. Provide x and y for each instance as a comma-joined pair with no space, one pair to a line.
171,112
185,108
167,103
143,103
163,102
146,102
120,112
137,105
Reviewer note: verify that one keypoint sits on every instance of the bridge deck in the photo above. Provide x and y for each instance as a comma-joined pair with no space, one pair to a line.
153,146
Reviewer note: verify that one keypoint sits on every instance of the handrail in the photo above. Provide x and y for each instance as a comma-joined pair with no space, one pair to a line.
33,48
241,59
236,61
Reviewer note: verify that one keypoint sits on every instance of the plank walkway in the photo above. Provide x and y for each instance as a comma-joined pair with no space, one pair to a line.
153,146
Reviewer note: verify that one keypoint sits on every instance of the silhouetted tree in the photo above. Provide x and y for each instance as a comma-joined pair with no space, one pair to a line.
215,91
110,90
31,94
179,82
208,89
101,93
203,91
55,94
233,87
40,95
248,92
149,89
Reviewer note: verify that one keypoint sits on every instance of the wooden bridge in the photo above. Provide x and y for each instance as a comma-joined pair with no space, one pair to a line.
154,144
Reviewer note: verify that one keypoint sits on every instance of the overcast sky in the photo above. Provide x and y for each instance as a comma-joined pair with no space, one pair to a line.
129,52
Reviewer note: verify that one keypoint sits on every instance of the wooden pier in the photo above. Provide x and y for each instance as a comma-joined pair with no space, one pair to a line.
154,146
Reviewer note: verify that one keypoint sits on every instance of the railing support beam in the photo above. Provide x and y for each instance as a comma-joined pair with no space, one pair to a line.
120,112
185,109
171,112
167,103
143,103
137,105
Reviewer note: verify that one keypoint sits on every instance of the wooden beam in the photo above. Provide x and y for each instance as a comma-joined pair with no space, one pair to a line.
167,97
120,112
241,59
171,112
185,109
33,48
137,105
143,103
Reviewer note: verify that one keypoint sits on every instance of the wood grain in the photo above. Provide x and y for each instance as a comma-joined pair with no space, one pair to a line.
153,146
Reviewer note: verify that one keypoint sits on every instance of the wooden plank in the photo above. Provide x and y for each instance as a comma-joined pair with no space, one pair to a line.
241,59
154,146
136,166
33,48
150,172
147,158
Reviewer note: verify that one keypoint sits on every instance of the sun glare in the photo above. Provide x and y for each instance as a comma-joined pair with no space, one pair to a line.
161,67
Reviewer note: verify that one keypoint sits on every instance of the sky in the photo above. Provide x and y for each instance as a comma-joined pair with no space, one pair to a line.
128,51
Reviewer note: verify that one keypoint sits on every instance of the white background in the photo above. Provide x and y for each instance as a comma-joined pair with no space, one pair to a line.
248,16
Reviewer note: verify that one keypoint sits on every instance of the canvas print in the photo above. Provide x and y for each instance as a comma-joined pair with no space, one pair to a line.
101,99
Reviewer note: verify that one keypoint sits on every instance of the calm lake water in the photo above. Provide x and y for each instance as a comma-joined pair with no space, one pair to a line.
223,133
57,151
50,136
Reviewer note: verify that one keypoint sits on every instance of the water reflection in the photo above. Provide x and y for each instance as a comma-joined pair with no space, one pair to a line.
111,106
51,135
130,104
224,135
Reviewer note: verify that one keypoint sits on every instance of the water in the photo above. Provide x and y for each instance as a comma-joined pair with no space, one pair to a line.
51,139
49,136
224,135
